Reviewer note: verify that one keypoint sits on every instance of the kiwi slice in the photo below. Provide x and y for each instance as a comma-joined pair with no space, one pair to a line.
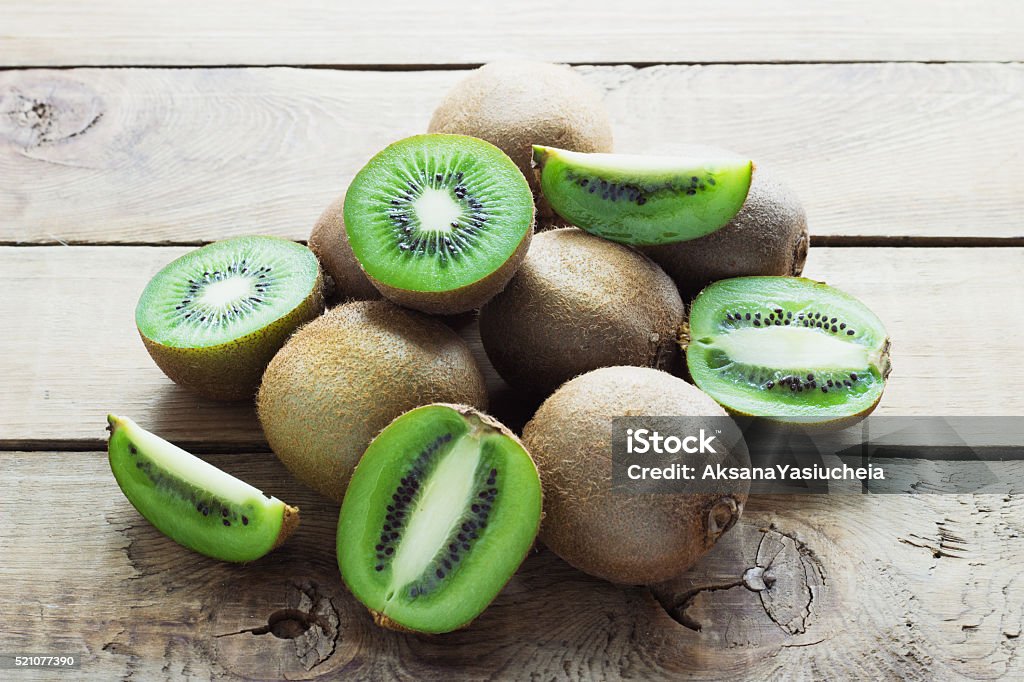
441,510
192,502
788,349
643,200
213,319
439,222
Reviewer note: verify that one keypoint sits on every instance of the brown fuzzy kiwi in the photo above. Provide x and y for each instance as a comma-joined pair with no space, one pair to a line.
515,104
577,303
343,377
329,242
767,237
630,539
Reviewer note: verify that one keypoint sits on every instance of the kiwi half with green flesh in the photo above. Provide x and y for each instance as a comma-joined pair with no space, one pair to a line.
192,502
343,377
213,318
632,539
767,237
439,223
643,200
579,302
515,104
441,510
329,242
787,349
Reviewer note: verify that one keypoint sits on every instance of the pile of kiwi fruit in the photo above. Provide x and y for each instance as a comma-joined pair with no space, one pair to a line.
602,284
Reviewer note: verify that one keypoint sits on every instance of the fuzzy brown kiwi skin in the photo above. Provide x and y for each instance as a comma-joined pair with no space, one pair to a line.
515,104
329,242
343,377
463,299
580,302
767,237
466,411
627,539
232,371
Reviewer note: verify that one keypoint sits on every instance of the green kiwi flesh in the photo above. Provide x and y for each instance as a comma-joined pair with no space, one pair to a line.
441,510
787,349
193,502
345,376
213,318
439,223
579,302
631,539
643,200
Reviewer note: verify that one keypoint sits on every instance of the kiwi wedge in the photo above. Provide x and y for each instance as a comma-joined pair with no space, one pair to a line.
343,377
577,303
643,200
213,318
631,539
439,223
767,237
787,349
192,502
441,510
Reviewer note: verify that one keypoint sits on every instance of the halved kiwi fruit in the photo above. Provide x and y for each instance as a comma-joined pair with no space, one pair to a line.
788,349
441,510
213,319
643,200
439,223
192,502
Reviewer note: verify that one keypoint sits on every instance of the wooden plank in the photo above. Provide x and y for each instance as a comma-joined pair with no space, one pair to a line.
199,32
914,587
73,354
157,156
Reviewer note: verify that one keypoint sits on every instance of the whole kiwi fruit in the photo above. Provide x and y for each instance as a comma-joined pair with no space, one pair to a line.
579,302
767,237
343,377
640,538
329,242
515,104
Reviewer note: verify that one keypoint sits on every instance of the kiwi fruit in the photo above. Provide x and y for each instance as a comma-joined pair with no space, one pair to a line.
577,303
192,502
441,510
439,223
515,104
213,318
643,200
767,237
344,376
329,242
641,538
787,349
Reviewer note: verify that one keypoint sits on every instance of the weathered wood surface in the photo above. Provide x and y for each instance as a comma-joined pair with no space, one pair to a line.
205,32
69,352
167,155
854,587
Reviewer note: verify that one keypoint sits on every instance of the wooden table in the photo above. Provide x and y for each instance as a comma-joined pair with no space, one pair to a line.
130,131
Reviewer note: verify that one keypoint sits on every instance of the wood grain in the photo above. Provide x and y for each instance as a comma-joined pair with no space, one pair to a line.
74,355
200,32
163,156
856,587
